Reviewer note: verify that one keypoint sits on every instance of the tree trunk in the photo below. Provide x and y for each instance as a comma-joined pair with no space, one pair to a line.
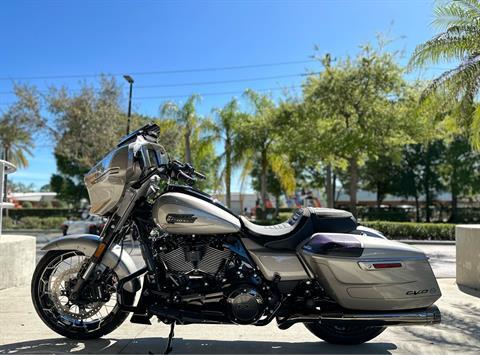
353,168
277,206
5,188
188,152
228,172
379,197
5,179
328,186
334,188
453,217
263,180
427,184
417,209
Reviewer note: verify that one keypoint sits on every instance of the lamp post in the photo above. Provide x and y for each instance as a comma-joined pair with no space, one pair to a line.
130,81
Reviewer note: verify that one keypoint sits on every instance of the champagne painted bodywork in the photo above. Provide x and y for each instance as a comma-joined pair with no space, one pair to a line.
180,213
355,284
107,180
121,263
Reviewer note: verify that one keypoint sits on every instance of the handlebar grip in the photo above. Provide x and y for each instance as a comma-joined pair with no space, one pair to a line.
188,179
200,175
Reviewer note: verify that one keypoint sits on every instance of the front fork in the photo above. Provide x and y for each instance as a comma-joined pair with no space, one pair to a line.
114,229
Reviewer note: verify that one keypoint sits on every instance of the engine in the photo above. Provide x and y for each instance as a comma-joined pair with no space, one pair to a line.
193,256
210,272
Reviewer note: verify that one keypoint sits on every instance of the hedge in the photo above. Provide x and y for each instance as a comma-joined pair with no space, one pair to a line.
411,230
33,223
392,216
271,211
402,230
19,213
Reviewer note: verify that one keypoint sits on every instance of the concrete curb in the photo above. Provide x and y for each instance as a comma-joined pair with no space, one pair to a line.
17,260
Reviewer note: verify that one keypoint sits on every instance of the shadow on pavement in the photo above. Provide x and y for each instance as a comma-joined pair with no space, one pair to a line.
181,346
461,319
469,291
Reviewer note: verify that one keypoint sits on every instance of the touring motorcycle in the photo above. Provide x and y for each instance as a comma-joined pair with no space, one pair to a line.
203,264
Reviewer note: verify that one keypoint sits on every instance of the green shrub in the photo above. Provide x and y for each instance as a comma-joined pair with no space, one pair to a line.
33,223
8,223
410,230
403,230
393,216
271,211
19,213
283,216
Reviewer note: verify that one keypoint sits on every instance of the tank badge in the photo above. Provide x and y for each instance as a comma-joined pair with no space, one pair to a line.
181,218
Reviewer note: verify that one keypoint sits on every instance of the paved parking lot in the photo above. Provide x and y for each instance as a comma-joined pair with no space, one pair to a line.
21,331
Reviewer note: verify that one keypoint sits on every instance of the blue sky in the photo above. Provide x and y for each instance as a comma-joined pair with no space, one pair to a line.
59,38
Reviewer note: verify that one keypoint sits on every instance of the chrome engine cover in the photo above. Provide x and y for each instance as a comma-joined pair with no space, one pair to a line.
245,305
204,259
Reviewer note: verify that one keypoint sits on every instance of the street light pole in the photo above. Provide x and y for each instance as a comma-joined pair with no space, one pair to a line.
130,81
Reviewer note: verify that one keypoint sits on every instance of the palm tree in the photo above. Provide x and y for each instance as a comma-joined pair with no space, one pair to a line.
259,134
226,131
459,42
187,117
18,125
198,140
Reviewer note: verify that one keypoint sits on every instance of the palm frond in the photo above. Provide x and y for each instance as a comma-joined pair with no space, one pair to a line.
457,13
475,129
464,75
453,44
284,172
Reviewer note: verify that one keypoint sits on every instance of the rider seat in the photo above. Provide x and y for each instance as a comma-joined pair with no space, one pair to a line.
302,224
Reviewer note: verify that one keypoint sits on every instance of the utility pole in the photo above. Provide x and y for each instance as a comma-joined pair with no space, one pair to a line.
130,81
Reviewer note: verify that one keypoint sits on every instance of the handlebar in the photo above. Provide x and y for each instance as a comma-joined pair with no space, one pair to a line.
184,172
186,178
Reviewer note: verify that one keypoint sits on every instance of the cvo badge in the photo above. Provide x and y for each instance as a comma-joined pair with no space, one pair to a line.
181,218
416,292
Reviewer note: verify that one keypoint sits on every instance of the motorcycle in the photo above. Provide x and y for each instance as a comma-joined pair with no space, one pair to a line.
206,265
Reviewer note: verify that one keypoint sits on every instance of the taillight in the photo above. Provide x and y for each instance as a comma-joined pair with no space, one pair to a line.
378,265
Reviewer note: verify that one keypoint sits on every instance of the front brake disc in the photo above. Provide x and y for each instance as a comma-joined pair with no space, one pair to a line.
62,302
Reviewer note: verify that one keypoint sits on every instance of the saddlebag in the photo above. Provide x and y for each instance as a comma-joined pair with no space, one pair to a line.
366,273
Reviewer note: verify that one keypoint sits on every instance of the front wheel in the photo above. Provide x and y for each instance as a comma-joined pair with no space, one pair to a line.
343,333
86,317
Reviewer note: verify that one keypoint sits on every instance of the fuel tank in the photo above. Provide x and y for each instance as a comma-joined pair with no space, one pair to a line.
180,213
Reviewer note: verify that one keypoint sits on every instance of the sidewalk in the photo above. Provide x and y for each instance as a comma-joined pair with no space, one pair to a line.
21,331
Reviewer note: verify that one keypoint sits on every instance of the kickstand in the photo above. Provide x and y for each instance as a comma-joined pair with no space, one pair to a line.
169,347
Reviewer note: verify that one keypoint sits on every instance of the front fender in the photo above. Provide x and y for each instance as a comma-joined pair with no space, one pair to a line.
88,243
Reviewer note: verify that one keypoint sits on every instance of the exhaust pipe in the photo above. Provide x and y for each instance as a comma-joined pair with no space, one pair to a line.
426,316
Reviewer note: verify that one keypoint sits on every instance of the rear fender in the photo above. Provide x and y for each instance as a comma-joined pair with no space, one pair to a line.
88,243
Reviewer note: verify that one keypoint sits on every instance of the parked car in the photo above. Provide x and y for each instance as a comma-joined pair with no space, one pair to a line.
91,224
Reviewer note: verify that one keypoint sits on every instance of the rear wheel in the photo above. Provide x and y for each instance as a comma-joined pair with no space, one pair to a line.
76,319
343,333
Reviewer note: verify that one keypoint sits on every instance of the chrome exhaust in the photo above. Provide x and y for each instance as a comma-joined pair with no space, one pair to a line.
428,316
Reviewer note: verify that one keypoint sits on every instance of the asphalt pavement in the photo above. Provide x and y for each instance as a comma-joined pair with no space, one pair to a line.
21,331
